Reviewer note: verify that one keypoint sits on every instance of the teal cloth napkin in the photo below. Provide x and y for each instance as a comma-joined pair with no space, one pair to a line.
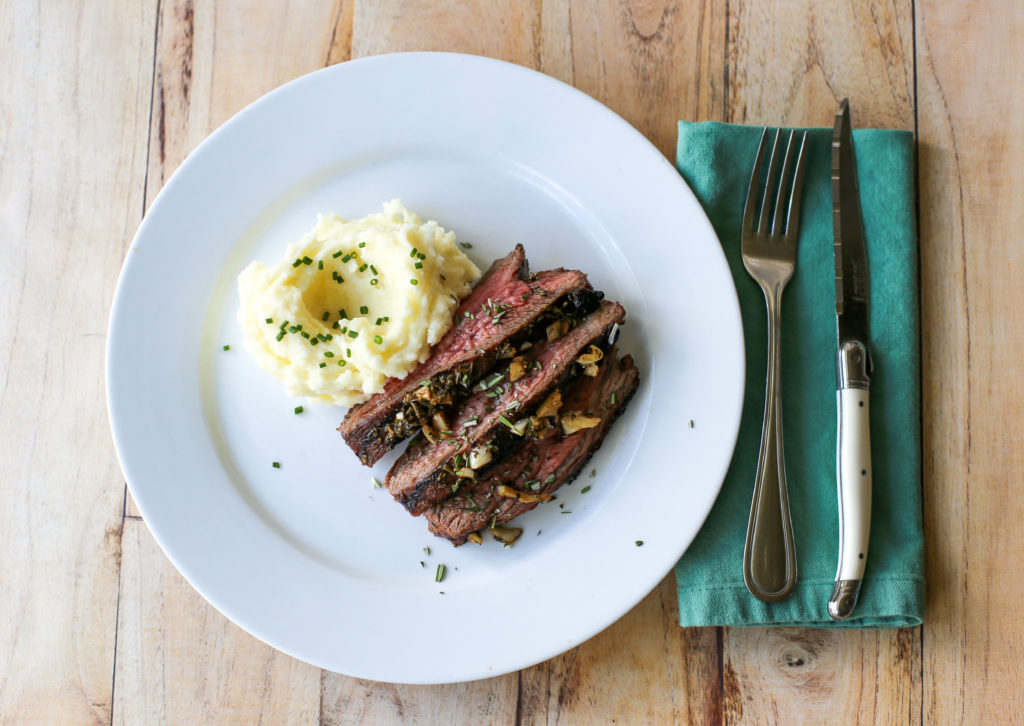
716,159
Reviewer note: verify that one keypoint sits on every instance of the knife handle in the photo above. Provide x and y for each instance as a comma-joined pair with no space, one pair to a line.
853,476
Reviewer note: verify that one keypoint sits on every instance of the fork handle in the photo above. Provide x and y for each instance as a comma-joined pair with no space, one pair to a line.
769,553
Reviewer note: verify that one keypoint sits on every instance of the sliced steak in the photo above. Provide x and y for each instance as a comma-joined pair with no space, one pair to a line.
531,472
429,471
504,307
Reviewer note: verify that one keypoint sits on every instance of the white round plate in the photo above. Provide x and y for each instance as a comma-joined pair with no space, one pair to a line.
310,557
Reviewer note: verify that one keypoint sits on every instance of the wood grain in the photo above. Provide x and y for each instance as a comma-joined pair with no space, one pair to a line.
971,158
180,661
355,701
209,64
654,62
792,68
72,153
644,669
100,102
791,63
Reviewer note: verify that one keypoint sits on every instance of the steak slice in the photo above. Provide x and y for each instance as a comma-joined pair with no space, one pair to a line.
503,307
426,473
531,472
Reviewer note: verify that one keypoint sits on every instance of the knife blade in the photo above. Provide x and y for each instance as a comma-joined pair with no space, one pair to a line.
853,369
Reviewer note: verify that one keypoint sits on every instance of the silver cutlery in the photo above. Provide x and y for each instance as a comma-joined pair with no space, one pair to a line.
768,247
853,366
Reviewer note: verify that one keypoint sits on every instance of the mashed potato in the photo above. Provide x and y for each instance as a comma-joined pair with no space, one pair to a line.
353,303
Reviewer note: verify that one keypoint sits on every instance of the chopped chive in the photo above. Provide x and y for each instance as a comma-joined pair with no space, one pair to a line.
298,410
379,321
414,281
307,260
319,264
227,347
413,253
377,339
362,244
439,574
325,315
386,318
344,329
373,269
337,254
613,399
304,334
293,328
327,337
348,352
328,354
269,321
353,334
585,489
466,245
505,421
314,341
550,479
279,336
346,258
322,364
283,325
343,314
443,278
276,464
426,550
373,281
691,423
421,256
297,263
364,310
341,363
639,543
375,483
362,267
418,265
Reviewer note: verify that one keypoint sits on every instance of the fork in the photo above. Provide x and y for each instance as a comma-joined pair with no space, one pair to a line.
769,255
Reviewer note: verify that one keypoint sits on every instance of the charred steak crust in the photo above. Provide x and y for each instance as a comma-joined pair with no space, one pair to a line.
502,306
537,467
422,476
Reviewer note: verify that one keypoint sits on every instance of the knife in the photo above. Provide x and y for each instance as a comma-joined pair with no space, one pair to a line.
853,368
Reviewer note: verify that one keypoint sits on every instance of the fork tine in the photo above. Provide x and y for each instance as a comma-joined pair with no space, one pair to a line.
750,207
793,216
782,197
762,227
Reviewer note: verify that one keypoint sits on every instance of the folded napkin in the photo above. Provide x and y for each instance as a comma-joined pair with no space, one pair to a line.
716,159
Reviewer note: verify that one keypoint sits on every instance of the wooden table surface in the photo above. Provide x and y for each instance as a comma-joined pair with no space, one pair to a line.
99,103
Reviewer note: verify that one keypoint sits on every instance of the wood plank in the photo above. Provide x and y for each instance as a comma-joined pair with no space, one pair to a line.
505,29
644,669
792,69
211,61
180,661
808,676
596,47
72,149
653,62
971,158
356,701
